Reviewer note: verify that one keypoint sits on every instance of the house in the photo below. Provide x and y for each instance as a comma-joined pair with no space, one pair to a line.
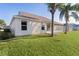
74,26
27,24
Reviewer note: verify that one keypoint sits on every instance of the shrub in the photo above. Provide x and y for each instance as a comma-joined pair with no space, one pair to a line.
6,34
7,30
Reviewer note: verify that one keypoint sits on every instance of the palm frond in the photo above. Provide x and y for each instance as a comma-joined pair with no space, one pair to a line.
68,6
61,15
60,6
51,5
75,15
75,7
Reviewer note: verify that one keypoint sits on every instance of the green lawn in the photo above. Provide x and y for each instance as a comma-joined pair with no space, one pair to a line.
59,45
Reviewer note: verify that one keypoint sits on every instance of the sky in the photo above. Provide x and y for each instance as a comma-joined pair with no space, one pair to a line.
8,10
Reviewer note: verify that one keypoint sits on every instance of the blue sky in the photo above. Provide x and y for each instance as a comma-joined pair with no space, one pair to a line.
7,10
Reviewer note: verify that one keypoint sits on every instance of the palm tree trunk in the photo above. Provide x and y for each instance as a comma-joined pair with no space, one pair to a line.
67,18
52,25
66,27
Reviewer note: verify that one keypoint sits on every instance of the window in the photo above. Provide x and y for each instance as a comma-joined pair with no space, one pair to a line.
43,27
23,25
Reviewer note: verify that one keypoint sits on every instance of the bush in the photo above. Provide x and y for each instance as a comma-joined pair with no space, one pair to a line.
7,30
6,34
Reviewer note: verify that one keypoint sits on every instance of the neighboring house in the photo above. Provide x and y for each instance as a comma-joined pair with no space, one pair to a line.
28,24
72,27
75,26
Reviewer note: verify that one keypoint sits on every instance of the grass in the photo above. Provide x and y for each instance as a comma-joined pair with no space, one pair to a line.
59,45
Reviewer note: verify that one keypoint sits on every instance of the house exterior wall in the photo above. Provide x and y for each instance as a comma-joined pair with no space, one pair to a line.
13,26
58,28
32,27
16,27
36,27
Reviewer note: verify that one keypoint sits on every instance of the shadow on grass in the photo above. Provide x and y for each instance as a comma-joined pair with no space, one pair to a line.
35,36
7,39
25,37
28,37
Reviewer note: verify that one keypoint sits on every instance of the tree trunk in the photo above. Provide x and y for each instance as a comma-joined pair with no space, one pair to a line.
66,27
67,19
52,25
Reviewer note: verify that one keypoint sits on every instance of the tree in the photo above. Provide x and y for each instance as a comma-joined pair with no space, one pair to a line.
2,22
52,8
64,11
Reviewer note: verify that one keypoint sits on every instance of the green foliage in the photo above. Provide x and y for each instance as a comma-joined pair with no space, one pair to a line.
5,35
51,5
2,21
75,16
75,7
42,45
65,8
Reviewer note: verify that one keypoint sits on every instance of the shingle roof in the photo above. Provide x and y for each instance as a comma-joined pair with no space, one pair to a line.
35,17
41,18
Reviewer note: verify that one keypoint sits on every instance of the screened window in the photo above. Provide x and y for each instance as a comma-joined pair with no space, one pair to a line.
23,25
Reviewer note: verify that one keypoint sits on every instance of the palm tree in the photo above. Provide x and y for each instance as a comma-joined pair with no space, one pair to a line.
52,8
64,11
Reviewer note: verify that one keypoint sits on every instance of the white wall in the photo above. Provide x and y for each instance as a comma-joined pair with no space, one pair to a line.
36,27
58,28
16,26
32,27
12,26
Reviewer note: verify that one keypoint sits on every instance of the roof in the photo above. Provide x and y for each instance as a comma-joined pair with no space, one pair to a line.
34,17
